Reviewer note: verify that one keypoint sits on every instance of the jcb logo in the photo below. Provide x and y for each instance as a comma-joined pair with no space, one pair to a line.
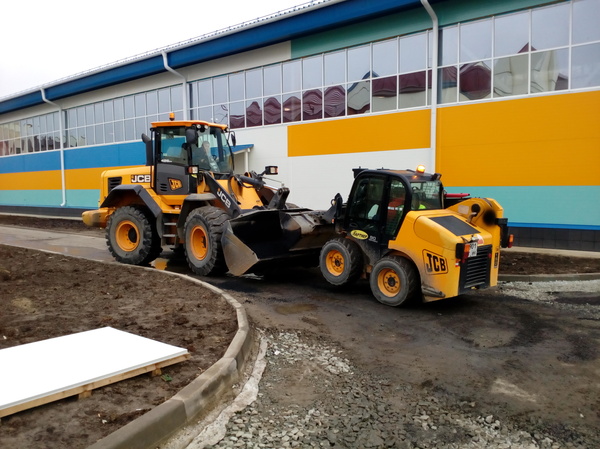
434,263
175,184
140,178
224,198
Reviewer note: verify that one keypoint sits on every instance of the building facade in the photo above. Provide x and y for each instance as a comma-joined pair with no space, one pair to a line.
501,98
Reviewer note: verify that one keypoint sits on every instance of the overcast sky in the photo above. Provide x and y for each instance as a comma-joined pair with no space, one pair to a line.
46,40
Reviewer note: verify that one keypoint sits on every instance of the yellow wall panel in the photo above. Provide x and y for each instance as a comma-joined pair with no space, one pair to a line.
41,180
84,178
537,141
397,131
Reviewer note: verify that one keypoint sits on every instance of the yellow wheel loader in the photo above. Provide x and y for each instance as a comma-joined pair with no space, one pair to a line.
188,198
401,231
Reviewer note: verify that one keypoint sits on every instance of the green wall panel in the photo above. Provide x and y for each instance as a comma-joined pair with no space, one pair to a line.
405,22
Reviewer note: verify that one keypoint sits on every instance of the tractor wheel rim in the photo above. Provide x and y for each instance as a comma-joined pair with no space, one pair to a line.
127,235
335,262
199,242
388,282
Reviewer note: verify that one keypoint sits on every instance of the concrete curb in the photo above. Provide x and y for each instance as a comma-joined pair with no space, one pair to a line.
548,277
198,398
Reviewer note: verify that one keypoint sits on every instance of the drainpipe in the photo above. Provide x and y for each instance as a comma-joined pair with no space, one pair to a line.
62,147
434,78
183,83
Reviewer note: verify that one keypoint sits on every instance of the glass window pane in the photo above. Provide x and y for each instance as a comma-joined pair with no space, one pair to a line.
385,93
585,21
237,118
36,126
89,134
413,52
109,132
292,107
253,113
335,68
448,84
359,98
449,45
177,99
129,130
272,107
312,104
205,113
585,66
140,105
129,107
292,76
71,118
205,93
108,111
98,113
511,34
164,101
89,115
550,27
119,109
81,116
151,102
99,134
412,89
549,70
254,83
220,89
476,40
475,81
359,63
236,86
335,101
510,76
385,58
312,72
119,132
220,113
194,97
272,79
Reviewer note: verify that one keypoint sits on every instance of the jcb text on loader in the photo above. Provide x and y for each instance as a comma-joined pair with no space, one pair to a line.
412,241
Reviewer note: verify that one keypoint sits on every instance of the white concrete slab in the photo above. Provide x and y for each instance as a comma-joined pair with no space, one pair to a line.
36,373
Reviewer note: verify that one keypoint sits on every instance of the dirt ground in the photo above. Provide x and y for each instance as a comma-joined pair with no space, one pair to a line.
45,296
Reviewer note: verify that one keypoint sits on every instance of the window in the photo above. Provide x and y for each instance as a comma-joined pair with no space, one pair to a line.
550,27
585,21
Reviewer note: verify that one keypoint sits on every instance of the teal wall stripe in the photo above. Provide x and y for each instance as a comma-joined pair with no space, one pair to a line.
544,206
82,198
411,21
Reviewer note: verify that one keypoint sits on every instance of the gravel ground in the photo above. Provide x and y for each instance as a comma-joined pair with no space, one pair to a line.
347,408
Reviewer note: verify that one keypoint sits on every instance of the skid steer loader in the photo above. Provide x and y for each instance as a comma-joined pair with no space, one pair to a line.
411,240
188,198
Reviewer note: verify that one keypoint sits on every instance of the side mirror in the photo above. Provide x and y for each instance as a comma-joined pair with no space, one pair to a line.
191,136
233,139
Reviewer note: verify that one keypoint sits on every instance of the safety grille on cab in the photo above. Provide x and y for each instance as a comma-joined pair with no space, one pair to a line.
114,182
476,271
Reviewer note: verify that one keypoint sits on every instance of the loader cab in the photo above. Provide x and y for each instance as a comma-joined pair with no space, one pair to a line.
184,149
380,199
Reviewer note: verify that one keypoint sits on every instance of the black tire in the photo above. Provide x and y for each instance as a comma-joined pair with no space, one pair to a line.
394,281
131,236
203,231
341,261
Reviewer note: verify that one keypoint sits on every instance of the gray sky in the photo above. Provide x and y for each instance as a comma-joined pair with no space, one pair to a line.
46,40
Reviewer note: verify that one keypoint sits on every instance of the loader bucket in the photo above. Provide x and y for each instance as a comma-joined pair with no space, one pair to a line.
260,239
